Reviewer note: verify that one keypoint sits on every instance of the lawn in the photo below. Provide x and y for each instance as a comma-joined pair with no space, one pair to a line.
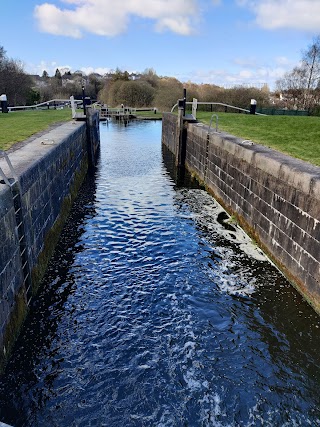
19,125
148,115
297,136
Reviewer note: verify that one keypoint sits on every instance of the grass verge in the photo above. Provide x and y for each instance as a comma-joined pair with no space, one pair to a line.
298,136
20,125
148,115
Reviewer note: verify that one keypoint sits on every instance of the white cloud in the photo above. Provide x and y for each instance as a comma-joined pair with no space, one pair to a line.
99,70
245,76
246,62
283,60
110,17
50,68
253,62
292,14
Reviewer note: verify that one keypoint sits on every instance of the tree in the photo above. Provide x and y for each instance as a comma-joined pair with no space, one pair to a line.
210,93
192,91
150,76
58,77
168,92
2,54
301,85
311,69
292,87
241,96
120,75
94,86
136,93
33,97
14,82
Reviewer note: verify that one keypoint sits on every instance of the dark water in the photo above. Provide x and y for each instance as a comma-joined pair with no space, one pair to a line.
156,312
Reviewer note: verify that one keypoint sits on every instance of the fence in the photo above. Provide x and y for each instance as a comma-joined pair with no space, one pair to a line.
283,112
53,103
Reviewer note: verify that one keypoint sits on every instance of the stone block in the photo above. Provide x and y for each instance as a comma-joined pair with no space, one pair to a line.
263,222
314,228
310,264
294,176
266,161
292,212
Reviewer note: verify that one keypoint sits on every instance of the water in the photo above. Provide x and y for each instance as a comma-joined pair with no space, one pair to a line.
156,311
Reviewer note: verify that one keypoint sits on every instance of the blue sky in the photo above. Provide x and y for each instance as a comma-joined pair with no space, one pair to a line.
224,42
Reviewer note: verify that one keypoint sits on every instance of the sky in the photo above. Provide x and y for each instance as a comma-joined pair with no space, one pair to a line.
222,42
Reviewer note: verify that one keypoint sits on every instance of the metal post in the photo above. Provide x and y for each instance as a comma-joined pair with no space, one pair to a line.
184,100
83,101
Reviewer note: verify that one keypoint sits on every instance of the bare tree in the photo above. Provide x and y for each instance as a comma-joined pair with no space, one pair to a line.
14,82
150,76
311,68
292,87
94,86
301,85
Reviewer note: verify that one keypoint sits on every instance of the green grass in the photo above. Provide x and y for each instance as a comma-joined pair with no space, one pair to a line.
297,136
19,125
148,114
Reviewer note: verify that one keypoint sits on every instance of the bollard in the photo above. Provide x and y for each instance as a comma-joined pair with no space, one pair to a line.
253,106
4,103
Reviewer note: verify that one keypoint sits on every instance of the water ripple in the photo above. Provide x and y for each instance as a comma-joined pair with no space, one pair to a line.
163,313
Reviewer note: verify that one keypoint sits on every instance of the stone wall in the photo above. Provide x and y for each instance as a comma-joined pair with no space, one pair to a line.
275,198
11,277
169,132
50,171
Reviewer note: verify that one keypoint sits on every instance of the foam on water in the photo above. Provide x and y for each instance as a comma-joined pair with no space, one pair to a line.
206,212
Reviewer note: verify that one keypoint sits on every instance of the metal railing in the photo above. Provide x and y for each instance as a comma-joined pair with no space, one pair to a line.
42,105
2,174
220,104
217,119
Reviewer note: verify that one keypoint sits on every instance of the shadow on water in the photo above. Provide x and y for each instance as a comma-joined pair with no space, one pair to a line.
46,311
180,176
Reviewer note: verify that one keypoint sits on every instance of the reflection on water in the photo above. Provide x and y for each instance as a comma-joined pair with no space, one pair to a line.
158,311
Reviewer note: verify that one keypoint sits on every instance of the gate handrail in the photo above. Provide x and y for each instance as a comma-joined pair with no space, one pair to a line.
218,103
